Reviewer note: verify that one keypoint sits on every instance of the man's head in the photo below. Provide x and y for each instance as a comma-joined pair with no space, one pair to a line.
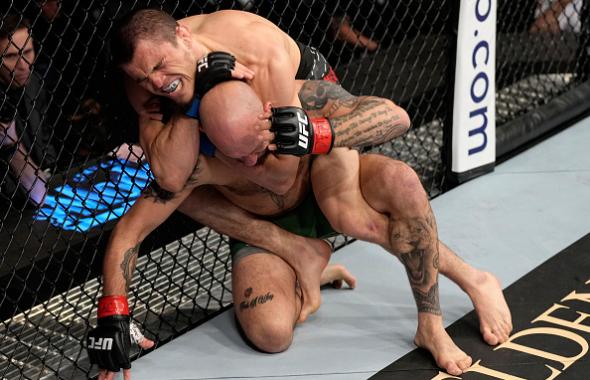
16,51
229,116
157,53
50,9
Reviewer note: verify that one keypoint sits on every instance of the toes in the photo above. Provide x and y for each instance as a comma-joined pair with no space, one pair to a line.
452,369
302,316
465,363
490,337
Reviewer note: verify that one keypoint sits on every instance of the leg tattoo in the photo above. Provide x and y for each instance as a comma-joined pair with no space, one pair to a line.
421,261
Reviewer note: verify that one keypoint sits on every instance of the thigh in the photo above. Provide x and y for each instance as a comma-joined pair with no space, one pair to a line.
336,185
265,293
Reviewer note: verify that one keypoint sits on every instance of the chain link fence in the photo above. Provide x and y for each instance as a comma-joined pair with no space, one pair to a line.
63,112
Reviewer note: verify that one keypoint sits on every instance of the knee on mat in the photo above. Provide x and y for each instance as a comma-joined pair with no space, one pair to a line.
271,337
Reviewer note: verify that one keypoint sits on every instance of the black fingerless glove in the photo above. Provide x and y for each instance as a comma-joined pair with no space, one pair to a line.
213,69
298,134
109,343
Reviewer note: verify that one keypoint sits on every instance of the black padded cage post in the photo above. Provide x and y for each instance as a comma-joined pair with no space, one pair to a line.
69,113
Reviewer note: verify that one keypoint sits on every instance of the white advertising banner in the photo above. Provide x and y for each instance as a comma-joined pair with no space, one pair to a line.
474,109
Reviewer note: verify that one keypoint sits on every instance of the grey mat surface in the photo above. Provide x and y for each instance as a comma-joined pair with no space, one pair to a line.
508,222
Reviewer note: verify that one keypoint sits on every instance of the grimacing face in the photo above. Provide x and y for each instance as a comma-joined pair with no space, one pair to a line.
17,56
164,69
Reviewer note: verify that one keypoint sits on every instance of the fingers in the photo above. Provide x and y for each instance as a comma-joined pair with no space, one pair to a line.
103,374
138,337
146,343
242,72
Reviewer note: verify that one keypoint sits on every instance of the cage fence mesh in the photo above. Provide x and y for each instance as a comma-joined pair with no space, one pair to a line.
63,112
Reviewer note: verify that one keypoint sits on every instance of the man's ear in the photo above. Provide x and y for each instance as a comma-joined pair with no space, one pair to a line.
183,32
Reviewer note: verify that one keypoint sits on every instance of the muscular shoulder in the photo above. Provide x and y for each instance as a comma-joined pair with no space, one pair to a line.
250,37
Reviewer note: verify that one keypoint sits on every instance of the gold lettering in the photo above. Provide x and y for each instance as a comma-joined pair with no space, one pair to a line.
577,324
554,372
491,372
584,297
566,361
443,376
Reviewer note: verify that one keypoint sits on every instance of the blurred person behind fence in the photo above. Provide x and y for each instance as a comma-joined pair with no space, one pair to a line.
26,150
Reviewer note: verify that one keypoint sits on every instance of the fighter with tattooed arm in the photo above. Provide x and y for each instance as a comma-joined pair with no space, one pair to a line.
408,231
159,56
387,188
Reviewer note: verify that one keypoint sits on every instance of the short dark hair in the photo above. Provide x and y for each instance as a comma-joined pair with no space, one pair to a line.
11,24
146,24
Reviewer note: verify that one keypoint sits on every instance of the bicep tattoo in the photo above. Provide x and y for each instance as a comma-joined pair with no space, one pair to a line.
325,97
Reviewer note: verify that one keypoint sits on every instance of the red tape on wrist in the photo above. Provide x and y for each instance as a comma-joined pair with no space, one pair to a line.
112,305
323,135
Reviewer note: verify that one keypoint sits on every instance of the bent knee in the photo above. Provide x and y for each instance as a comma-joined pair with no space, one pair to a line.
271,337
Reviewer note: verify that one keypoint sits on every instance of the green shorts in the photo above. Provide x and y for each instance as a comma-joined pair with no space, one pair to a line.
305,220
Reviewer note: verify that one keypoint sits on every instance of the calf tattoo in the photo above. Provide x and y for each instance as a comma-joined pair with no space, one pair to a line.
428,302
422,261
258,300
128,264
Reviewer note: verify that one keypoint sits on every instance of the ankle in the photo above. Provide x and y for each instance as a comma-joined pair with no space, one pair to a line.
429,321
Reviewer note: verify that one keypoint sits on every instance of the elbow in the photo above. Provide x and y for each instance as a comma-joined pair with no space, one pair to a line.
172,184
169,180
402,122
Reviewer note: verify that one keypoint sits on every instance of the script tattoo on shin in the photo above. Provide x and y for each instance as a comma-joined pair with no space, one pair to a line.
422,261
128,264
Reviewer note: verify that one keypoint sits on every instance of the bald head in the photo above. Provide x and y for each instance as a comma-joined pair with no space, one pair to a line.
229,114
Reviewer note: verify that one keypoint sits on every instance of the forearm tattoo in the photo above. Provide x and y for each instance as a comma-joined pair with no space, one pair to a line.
370,123
363,121
128,265
421,261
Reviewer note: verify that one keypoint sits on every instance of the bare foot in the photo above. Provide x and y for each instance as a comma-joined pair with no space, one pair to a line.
310,262
335,274
495,321
432,336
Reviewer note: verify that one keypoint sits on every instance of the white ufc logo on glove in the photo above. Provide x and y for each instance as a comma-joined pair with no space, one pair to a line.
202,64
303,141
104,344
